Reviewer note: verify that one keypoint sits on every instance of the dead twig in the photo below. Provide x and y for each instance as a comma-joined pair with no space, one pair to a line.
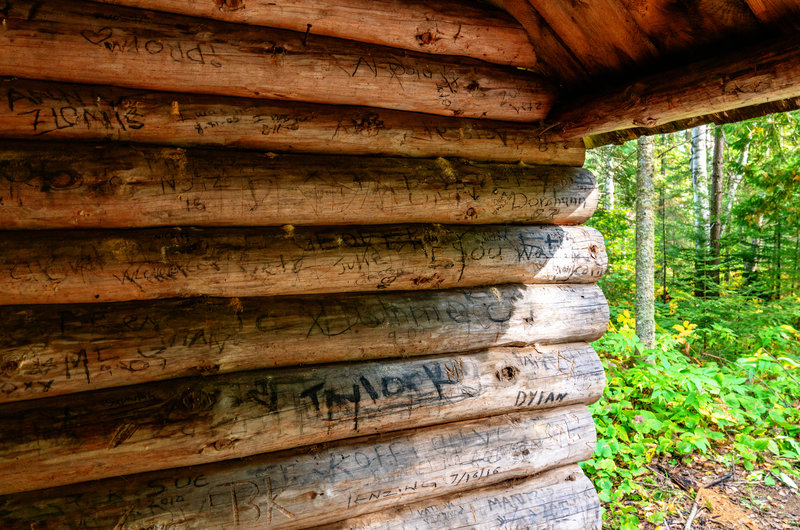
692,515
695,506
720,480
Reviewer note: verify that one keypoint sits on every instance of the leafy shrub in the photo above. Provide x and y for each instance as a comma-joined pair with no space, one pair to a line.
739,403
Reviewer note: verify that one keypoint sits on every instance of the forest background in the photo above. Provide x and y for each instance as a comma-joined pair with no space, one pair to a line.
720,385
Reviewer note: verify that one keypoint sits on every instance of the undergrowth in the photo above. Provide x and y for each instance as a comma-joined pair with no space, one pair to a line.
723,382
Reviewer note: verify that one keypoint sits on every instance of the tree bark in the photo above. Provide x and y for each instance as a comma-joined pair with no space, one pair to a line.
733,185
645,242
609,170
80,42
662,206
440,27
56,185
58,111
751,258
59,349
321,484
715,235
79,266
193,421
699,171
562,498
753,76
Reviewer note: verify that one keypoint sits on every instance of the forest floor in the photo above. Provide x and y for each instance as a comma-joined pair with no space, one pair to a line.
735,503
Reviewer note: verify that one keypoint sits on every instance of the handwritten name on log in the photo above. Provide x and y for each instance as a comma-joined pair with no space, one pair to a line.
58,186
76,266
60,40
192,421
50,350
36,109
562,499
319,485
442,26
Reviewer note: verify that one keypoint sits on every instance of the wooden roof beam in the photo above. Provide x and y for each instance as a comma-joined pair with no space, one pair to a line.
443,27
746,78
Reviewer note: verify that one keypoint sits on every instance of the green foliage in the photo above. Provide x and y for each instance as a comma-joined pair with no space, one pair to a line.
724,382
741,406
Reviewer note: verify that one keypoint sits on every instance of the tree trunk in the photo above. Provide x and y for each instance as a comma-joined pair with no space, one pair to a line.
48,350
443,27
715,234
733,186
187,422
79,42
700,200
777,291
645,242
752,256
563,498
319,485
91,113
662,206
55,185
609,168
81,266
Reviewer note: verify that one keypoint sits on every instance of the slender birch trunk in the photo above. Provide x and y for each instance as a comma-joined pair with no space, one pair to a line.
700,201
715,233
645,242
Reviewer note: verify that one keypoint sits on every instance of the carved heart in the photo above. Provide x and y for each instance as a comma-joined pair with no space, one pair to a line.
99,36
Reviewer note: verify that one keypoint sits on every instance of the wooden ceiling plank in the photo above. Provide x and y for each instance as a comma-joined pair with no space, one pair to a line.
434,26
601,34
751,76
554,59
781,13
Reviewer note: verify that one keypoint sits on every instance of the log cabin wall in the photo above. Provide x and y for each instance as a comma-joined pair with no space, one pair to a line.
254,274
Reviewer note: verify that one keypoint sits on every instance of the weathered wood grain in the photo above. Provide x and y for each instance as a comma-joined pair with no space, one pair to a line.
775,13
560,64
56,185
48,350
441,26
601,34
46,110
752,76
76,266
560,499
320,484
192,421
61,40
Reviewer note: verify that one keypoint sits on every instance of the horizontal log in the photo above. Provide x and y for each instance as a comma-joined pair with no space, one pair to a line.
560,499
56,185
76,266
751,76
37,109
318,485
441,26
51,350
60,40
193,421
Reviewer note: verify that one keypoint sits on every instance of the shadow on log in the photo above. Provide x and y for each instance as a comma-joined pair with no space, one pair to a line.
77,266
57,185
50,350
320,484
67,41
42,110
183,422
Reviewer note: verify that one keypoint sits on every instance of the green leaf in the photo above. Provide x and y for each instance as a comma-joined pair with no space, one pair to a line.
786,479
